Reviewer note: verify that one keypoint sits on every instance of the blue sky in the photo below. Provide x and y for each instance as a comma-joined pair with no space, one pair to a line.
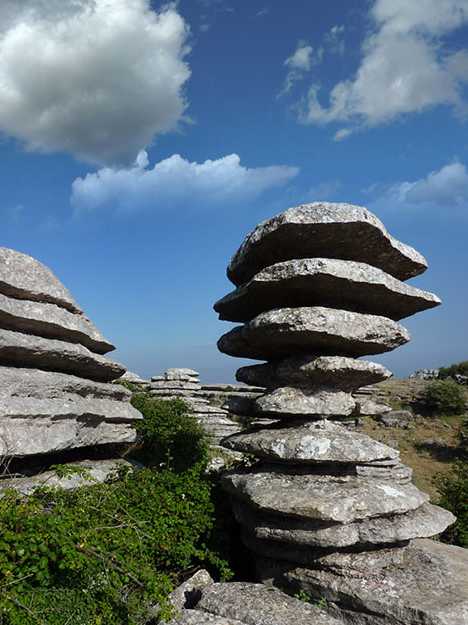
141,142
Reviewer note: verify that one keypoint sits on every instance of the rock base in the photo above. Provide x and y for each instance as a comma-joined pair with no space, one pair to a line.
429,587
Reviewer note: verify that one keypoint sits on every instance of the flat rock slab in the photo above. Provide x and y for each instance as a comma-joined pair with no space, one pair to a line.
426,521
289,402
430,588
51,321
346,374
339,561
291,331
24,350
24,277
326,282
21,437
256,604
372,408
34,383
341,499
174,385
89,472
321,441
324,230
197,617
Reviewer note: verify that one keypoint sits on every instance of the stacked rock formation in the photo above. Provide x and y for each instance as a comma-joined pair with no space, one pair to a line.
54,378
325,508
185,384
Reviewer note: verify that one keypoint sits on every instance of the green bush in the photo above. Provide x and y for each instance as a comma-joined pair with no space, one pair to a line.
461,368
453,489
103,554
445,397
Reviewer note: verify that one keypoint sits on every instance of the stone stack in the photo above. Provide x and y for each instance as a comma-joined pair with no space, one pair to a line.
185,384
327,509
55,389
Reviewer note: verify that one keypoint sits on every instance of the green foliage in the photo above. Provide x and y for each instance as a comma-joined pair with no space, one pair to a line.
453,489
445,397
105,553
461,368
171,438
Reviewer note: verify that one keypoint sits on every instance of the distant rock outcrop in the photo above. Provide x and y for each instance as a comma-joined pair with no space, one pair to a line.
54,378
326,509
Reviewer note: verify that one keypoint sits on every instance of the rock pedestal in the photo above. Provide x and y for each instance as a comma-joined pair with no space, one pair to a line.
325,508
55,395
185,384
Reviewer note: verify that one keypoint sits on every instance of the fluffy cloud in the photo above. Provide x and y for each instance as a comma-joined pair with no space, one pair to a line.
446,188
95,78
174,181
404,68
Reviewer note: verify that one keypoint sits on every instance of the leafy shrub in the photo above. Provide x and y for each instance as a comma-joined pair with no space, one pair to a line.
171,438
445,397
103,554
453,489
461,368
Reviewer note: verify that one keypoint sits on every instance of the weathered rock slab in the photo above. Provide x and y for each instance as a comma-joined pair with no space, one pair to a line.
17,382
326,282
336,498
426,521
256,604
429,588
20,437
346,374
288,401
24,277
24,350
372,408
321,441
88,472
280,333
51,321
324,229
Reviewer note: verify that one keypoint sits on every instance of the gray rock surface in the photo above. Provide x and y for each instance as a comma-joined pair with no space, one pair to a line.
23,350
287,402
396,419
24,277
287,331
430,588
21,437
255,604
426,521
16,382
342,373
51,321
336,498
321,441
197,617
324,282
93,472
188,594
324,229
372,408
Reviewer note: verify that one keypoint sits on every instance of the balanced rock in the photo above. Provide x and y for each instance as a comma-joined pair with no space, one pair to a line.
324,230
342,373
315,442
324,282
279,333
54,389
287,402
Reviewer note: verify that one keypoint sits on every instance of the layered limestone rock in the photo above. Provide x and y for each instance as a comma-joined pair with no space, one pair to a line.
318,287
55,394
185,384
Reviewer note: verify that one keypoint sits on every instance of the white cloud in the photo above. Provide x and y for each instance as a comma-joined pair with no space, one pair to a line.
95,78
174,181
334,39
298,64
444,189
404,68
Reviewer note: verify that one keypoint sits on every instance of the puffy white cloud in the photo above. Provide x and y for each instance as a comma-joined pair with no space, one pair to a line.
174,181
446,188
404,68
95,78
